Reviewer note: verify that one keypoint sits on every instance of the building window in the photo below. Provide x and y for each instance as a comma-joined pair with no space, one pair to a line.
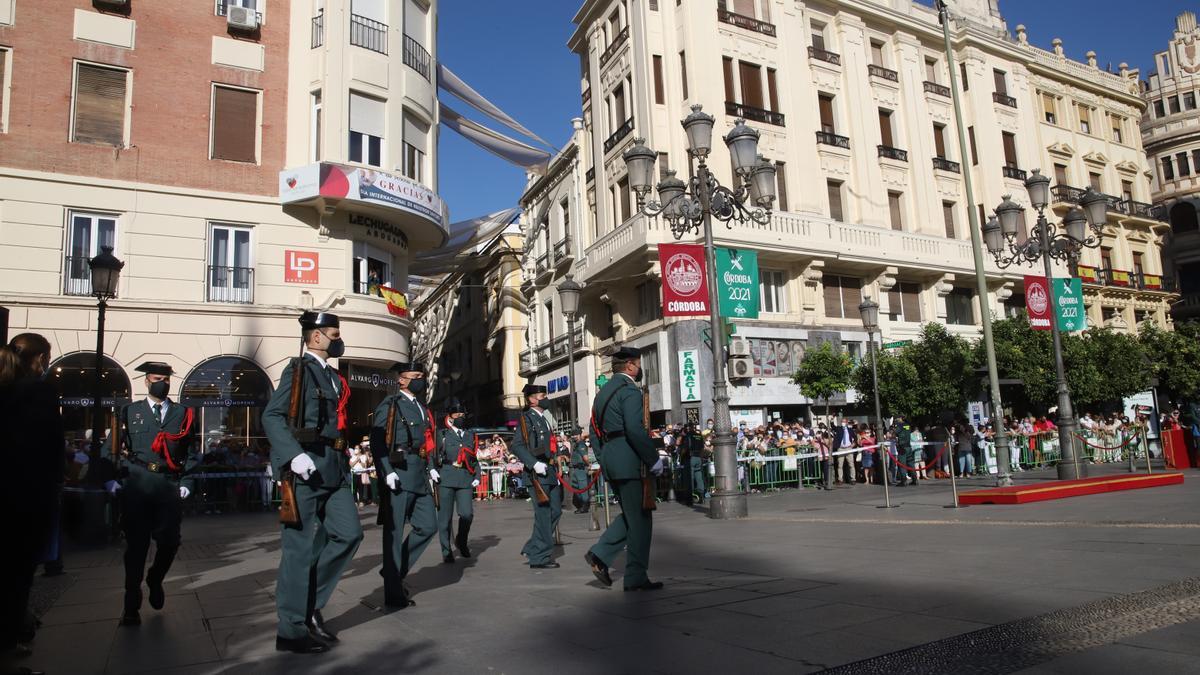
372,269
316,126
750,77
960,307
230,270
5,60
1181,164
1137,265
962,71
727,73
659,94
895,207
224,5
825,106
818,35
877,53
772,90
87,234
948,218
1009,141
1060,174
1095,180
1127,190
1085,119
649,301
931,69
1049,108
885,128
1118,123
939,140
781,195
550,332
650,366
843,295
1173,104
1168,172
904,302
99,106
416,144
683,73
1196,157
971,142
772,291
1001,82
234,124
367,123
1159,111
1189,100
834,188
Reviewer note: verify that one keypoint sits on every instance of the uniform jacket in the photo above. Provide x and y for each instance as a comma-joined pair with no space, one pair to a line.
450,442
579,465
408,436
536,448
623,458
904,437
318,411
139,429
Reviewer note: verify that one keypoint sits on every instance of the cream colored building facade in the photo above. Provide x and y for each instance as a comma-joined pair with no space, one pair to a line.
1171,132
852,101
259,172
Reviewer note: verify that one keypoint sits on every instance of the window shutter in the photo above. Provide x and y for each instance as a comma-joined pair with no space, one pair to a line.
727,69
235,122
895,300
752,89
851,297
659,94
911,297
825,104
100,105
833,296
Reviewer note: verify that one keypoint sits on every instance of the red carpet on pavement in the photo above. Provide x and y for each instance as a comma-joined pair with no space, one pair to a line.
1061,489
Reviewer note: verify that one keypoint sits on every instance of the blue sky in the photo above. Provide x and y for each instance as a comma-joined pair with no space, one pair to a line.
515,54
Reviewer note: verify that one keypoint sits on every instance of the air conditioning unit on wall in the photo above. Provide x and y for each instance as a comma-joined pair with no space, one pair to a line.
739,346
740,367
242,18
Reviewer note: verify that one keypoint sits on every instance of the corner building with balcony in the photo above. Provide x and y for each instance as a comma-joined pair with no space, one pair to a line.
853,104
246,159
1171,133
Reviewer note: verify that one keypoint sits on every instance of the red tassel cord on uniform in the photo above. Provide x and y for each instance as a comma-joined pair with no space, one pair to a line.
464,454
430,444
343,399
160,447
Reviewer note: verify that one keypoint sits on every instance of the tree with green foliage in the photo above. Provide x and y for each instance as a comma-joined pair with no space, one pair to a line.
945,373
824,372
1110,367
1174,358
898,383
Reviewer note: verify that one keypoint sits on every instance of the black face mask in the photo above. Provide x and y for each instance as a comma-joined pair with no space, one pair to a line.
417,387
336,349
638,377
160,389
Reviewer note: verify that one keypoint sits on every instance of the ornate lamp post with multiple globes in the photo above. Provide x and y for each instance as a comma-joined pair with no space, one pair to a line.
1000,235
568,302
689,208
869,311
105,274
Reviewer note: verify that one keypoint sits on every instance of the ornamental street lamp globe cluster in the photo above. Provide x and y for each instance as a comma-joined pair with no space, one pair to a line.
569,291
689,207
105,275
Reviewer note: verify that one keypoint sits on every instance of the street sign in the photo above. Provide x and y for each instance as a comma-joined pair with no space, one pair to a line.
897,344
1068,300
689,379
737,283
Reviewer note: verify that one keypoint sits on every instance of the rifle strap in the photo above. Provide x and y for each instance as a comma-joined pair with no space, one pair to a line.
604,409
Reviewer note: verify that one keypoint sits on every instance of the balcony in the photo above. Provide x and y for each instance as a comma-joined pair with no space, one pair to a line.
417,57
1004,99
526,362
616,137
747,22
621,39
590,174
230,284
826,56
562,251
943,164
1065,194
77,276
368,34
888,152
754,114
318,29
1102,276
1014,173
883,73
542,265
366,288
827,138
935,88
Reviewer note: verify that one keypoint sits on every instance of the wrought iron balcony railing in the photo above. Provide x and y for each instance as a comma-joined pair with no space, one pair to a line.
884,73
944,164
824,55
747,22
827,138
754,114
368,34
893,153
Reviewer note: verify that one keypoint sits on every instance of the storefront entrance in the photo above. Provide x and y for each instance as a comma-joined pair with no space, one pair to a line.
74,376
229,393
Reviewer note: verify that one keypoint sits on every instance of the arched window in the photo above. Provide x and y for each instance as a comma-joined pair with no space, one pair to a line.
229,392
1183,218
74,375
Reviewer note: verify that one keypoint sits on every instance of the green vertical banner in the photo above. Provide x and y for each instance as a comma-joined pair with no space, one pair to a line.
737,283
1068,304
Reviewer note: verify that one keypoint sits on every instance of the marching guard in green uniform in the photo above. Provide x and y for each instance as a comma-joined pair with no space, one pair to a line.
904,453
405,470
157,436
459,473
627,452
307,447
579,471
693,470
536,445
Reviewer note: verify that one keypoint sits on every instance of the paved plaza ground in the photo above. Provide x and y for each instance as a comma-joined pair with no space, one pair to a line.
812,580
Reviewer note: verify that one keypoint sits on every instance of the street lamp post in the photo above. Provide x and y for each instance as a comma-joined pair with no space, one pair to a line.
568,301
691,207
105,273
1000,234
869,311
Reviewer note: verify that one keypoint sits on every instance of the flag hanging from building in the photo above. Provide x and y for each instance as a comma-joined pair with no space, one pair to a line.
397,302
685,280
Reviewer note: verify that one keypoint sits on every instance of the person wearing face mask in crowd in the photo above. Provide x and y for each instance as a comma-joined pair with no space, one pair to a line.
314,553
160,451
407,470
459,476
579,470
536,446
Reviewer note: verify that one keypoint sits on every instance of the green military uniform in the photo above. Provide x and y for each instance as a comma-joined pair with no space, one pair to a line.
411,502
693,470
579,476
905,453
314,553
459,474
626,450
151,499
532,444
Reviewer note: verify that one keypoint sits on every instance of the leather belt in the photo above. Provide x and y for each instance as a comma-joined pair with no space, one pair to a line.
155,467
609,435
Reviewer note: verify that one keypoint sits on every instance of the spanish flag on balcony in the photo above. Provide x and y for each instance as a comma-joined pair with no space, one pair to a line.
1087,274
1120,278
1152,281
397,303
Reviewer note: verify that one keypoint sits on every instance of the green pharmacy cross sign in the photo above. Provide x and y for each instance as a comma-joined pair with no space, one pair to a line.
737,283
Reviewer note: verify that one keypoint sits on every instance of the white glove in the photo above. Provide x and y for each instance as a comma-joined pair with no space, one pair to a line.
475,483
434,475
392,480
657,469
184,492
540,468
112,486
303,465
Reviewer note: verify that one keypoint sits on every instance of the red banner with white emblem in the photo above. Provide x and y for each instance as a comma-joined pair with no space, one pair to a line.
684,280
1037,302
